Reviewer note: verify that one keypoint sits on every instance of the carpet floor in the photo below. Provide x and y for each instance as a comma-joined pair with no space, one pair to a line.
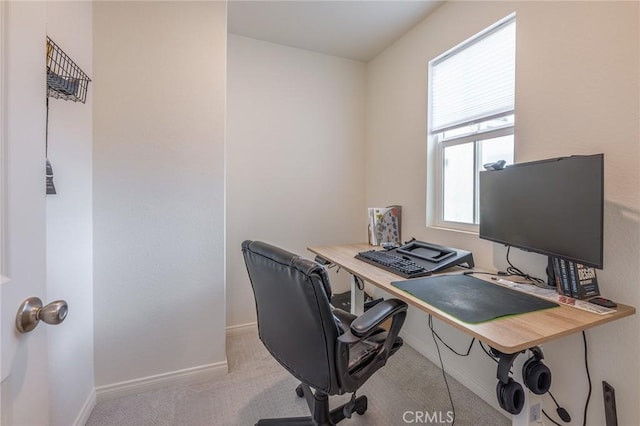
408,390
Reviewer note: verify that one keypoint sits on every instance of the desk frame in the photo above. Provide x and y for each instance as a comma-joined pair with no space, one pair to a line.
509,335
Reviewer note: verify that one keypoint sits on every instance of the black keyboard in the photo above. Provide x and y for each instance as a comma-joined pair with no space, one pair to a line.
398,265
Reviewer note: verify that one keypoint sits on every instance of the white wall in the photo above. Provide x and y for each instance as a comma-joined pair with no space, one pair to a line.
576,93
159,202
69,225
295,156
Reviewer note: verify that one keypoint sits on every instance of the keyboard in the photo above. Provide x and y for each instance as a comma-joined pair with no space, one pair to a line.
402,266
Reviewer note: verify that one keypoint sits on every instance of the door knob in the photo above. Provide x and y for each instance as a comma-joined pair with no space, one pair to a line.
31,312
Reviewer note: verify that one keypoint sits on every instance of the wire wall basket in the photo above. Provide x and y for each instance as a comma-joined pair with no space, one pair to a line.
65,79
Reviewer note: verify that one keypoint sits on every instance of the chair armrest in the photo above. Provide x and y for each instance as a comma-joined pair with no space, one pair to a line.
360,329
374,317
364,325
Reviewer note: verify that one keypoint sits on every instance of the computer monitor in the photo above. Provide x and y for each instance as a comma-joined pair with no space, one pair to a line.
552,207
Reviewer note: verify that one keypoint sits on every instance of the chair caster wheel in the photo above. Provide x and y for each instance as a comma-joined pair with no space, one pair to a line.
299,391
361,406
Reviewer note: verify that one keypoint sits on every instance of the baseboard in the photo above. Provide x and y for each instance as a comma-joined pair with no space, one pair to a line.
88,406
233,329
145,384
487,395
180,377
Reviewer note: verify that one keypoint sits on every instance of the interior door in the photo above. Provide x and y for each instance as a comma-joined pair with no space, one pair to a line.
24,387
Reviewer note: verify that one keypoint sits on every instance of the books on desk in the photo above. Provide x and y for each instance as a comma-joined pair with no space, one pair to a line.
574,279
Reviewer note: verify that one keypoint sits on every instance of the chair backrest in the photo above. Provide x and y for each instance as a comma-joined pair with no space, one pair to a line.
295,321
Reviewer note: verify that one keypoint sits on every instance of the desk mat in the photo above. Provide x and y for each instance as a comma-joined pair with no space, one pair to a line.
471,299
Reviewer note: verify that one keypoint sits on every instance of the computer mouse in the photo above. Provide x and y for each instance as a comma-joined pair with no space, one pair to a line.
601,301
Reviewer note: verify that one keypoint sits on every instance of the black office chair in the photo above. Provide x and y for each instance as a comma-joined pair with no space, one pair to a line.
328,350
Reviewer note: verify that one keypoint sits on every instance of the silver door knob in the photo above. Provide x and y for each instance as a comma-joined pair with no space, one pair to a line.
31,312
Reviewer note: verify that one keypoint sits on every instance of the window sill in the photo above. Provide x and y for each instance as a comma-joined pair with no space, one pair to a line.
452,229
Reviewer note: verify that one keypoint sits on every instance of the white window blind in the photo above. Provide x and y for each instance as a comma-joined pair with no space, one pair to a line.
475,81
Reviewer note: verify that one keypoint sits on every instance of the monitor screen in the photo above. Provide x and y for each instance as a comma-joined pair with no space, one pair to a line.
553,207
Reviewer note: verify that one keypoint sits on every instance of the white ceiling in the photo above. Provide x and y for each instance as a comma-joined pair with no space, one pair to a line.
356,30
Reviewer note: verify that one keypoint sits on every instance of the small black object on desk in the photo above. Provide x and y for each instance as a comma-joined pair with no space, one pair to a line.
601,301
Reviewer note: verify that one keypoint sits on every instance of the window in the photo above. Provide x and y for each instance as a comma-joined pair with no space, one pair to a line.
471,120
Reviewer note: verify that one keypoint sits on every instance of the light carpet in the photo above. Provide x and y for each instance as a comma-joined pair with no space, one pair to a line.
408,390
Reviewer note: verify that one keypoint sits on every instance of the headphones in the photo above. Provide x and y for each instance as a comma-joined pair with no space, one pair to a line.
510,396
536,376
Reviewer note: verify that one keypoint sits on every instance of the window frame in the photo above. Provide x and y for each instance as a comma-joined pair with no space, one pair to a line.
437,143
476,139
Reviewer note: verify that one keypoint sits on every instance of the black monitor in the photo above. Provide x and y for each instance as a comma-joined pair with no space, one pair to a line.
553,207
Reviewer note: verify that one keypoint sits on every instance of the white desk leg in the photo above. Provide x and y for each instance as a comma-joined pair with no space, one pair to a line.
531,414
357,297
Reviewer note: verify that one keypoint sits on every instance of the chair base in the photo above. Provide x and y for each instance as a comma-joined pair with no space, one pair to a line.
318,403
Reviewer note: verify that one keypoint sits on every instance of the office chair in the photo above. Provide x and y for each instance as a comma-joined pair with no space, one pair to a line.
330,351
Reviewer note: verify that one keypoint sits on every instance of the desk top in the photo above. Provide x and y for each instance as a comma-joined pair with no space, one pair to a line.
509,334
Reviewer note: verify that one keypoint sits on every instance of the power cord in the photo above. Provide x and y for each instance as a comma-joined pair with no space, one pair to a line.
586,366
495,274
359,282
436,337
512,270
562,413
444,375
486,351
435,334
494,358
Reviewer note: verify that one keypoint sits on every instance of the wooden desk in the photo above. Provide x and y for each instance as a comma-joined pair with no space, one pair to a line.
509,335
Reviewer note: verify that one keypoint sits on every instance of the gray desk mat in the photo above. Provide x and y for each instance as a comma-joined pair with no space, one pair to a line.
471,299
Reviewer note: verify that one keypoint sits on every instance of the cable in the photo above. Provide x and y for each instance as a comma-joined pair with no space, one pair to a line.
444,375
512,270
498,274
562,413
487,352
586,366
359,282
433,333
